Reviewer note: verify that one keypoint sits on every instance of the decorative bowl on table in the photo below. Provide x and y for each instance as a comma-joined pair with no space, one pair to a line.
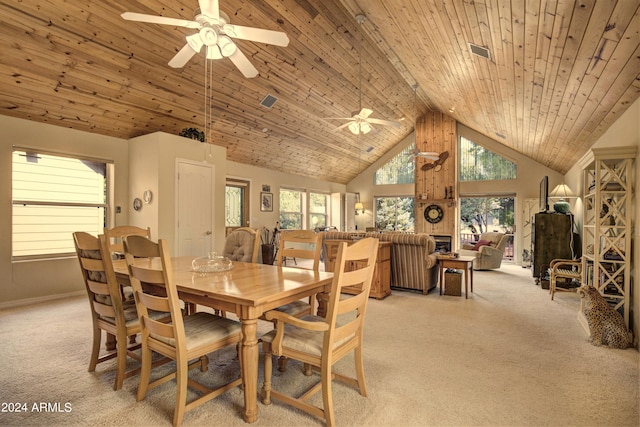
211,263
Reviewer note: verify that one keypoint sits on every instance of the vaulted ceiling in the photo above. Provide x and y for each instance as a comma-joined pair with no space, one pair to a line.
560,72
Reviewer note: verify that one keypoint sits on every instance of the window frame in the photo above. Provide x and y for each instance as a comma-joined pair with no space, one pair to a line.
301,213
105,205
327,207
375,209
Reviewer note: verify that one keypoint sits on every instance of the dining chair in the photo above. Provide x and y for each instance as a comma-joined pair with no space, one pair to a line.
109,312
115,236
242,244
185,338
302,245
322,342
570,269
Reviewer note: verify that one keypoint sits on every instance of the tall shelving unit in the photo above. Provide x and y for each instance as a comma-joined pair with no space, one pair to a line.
606,237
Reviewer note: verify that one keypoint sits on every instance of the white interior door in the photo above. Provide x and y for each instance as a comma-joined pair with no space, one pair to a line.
194,188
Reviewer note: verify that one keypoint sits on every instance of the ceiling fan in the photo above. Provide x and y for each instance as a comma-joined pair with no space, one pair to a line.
431,155
215,32
360,122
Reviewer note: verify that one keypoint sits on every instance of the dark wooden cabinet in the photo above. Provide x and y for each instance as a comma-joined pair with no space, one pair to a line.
381,284
552,238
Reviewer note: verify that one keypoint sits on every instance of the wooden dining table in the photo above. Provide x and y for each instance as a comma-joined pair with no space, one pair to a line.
248,290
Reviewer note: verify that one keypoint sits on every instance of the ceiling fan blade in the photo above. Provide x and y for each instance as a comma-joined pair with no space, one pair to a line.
210,8
430,157
338,118
277,38
182,57
365,112
243,64
342,126
153,19
384,122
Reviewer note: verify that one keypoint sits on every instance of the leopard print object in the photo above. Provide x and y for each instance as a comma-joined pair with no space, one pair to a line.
606,324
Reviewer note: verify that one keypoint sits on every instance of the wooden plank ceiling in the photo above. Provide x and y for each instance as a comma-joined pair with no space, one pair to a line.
560,73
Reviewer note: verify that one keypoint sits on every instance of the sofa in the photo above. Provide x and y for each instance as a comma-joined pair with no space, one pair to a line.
487,251
413,260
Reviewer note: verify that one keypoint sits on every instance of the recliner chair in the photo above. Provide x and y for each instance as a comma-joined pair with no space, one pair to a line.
488,250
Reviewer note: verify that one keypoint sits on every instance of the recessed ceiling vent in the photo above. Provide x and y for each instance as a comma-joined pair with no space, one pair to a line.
268,101
480,51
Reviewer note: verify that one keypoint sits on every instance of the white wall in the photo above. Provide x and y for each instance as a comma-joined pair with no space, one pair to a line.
40,279
153,167
32,281
624,132
259,177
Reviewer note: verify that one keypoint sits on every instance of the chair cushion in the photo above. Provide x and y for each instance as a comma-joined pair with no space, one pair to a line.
295,308
303,340
239,246
204,328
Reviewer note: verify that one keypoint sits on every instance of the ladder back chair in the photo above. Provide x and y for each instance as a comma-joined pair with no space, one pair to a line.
300,244
115,236
186,338
322,342
109,312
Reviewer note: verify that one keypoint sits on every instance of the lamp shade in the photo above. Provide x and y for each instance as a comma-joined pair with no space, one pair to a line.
359,206
562,191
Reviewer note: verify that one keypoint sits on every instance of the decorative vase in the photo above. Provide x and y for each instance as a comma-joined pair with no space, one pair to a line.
561,206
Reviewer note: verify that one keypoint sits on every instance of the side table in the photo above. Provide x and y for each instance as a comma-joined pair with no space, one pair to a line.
463,263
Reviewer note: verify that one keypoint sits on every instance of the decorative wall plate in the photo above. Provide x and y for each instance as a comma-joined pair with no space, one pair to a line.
433,214
147,196
137,204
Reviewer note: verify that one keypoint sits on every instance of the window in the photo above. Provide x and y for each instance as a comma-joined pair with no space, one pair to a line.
54,196
291,209
484,214
480,164
236,203
399,170
394,214
318,207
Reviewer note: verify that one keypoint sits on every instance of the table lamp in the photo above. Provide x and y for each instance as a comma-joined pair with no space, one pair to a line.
562,192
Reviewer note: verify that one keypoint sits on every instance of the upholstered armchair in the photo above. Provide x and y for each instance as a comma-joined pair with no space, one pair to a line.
488,250
242,244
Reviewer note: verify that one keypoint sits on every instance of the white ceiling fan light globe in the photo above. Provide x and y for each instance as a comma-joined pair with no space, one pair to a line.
365,127
227,46
213,52
195,42
354,128
208,35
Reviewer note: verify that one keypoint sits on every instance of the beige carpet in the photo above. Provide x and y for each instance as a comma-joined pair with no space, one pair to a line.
506,356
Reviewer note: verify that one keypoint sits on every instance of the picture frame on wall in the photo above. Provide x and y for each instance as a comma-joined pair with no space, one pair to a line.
266,202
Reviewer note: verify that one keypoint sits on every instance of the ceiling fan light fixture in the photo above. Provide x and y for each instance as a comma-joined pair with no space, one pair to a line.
208,35
365,127
354,128
227,47
195,42
213,52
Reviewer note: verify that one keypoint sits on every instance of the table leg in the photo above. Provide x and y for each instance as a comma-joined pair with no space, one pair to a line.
466,283
110,343
441,278
471,274
249,354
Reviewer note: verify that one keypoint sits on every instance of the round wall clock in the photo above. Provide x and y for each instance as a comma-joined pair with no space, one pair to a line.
137,204
433,214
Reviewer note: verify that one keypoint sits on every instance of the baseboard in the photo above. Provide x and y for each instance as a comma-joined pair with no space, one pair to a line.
37,300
